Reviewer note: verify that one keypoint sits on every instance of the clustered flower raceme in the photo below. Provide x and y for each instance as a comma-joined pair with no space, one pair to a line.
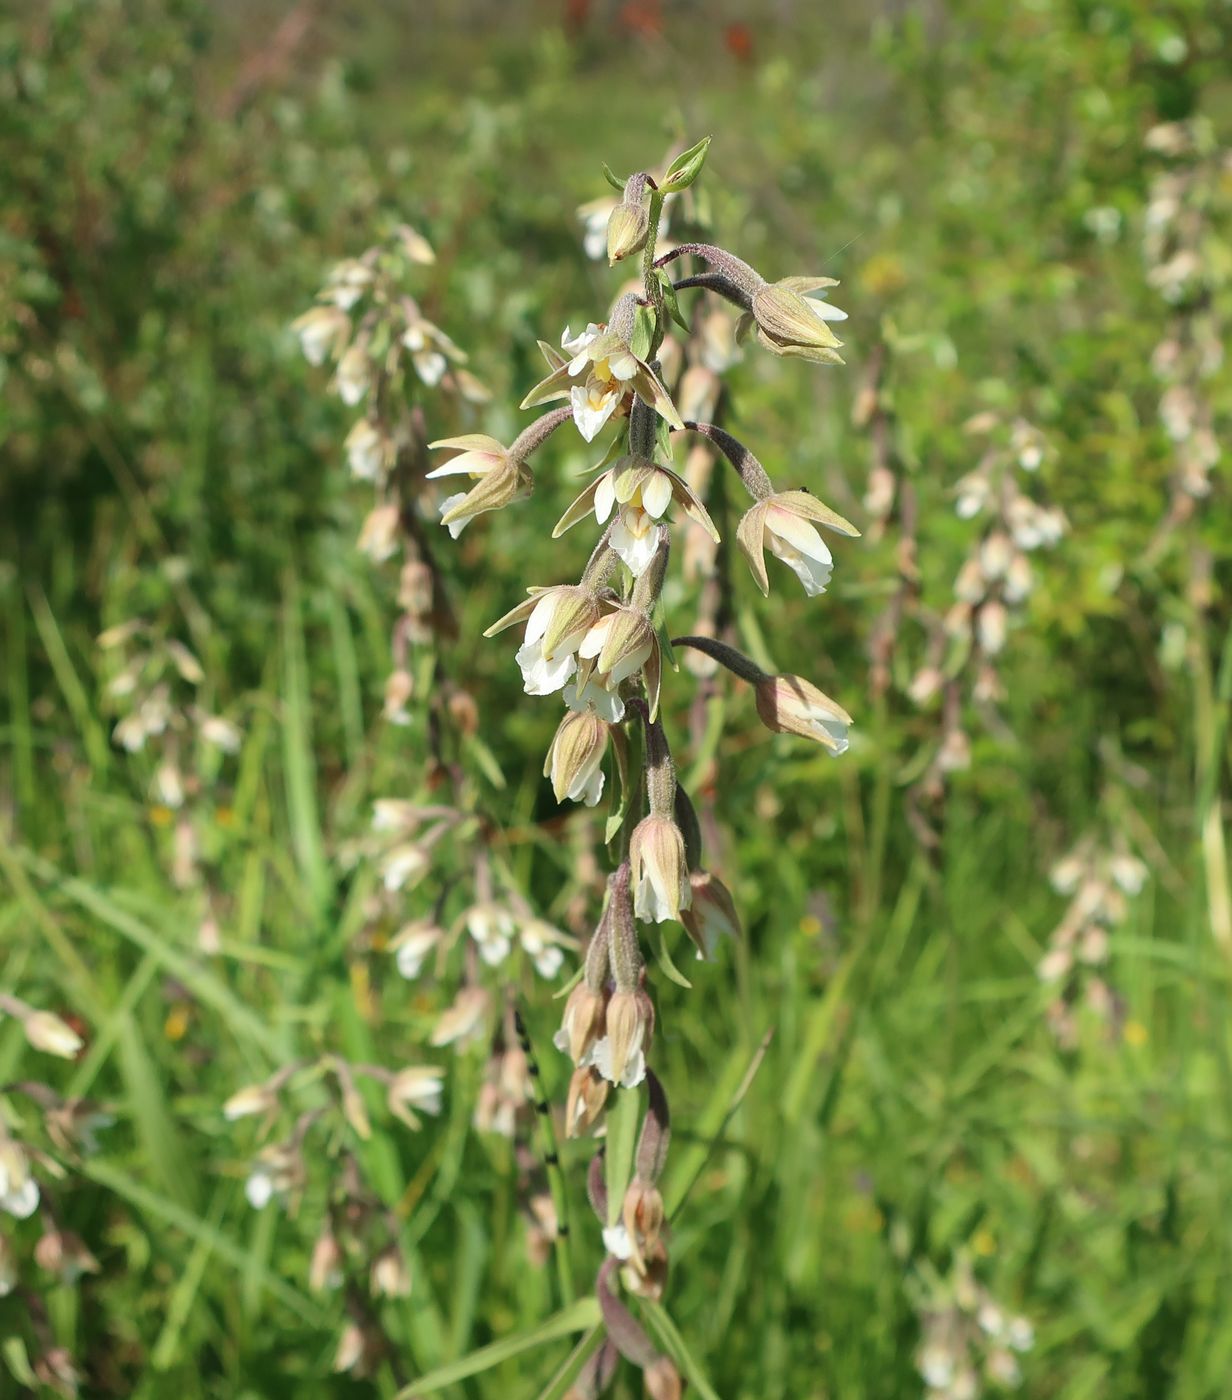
968,1340
1100,880
992,586
314,1153
1187,256
163,694
39,1252
597,644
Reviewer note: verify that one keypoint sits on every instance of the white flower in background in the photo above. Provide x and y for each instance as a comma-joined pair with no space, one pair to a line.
431,349
322,332
541,943
348,281
492,927
403,866
412,946
414,1090
45,1031
393,814
367,450
462,1021
973,493
249,1101
379,534
19,1193
276,1170
352,375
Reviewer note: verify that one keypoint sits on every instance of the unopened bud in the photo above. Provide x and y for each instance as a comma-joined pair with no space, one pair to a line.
325,1268
642,1213
575,758
582,1024
47,1032
658,869
587,1095
620,1056
627,227
390,1277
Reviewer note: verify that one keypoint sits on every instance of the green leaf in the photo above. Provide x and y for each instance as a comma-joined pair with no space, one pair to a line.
643,331
13,1350
664,958
670,300
686,167
622,1119
612,178
567,1373
663,442
577,1317
620,801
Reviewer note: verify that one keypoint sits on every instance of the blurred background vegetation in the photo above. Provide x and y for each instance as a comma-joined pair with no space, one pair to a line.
177,178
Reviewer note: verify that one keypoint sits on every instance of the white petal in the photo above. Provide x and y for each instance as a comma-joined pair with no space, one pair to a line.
542,677
657,494
589,414
824,310
430,365
596,638
592,790
617,1242
605,496
540,617
637,550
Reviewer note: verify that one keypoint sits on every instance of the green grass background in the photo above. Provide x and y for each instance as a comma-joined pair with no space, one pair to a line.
169,205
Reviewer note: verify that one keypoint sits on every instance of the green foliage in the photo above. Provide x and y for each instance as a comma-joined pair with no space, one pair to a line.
178,177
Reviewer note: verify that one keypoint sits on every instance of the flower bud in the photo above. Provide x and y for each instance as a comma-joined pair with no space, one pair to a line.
248,1101
587,1095
658,870
390,1277
325,1269
663,1380
582,1024
627,228
620,1056
791,705
47,1032
575,758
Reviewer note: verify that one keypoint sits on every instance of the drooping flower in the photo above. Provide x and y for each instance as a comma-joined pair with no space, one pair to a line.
792,323
412,945
322,332
619,645
19,1192
542,944
620,1054
792,705
368,450
582,1024
414,1090
575,757
658,869
643,491
557,620
601,371
499,479
785,522
492,927
432,351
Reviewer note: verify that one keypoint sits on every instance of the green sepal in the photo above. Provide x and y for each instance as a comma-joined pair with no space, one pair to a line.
685,168
610,176
643,331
